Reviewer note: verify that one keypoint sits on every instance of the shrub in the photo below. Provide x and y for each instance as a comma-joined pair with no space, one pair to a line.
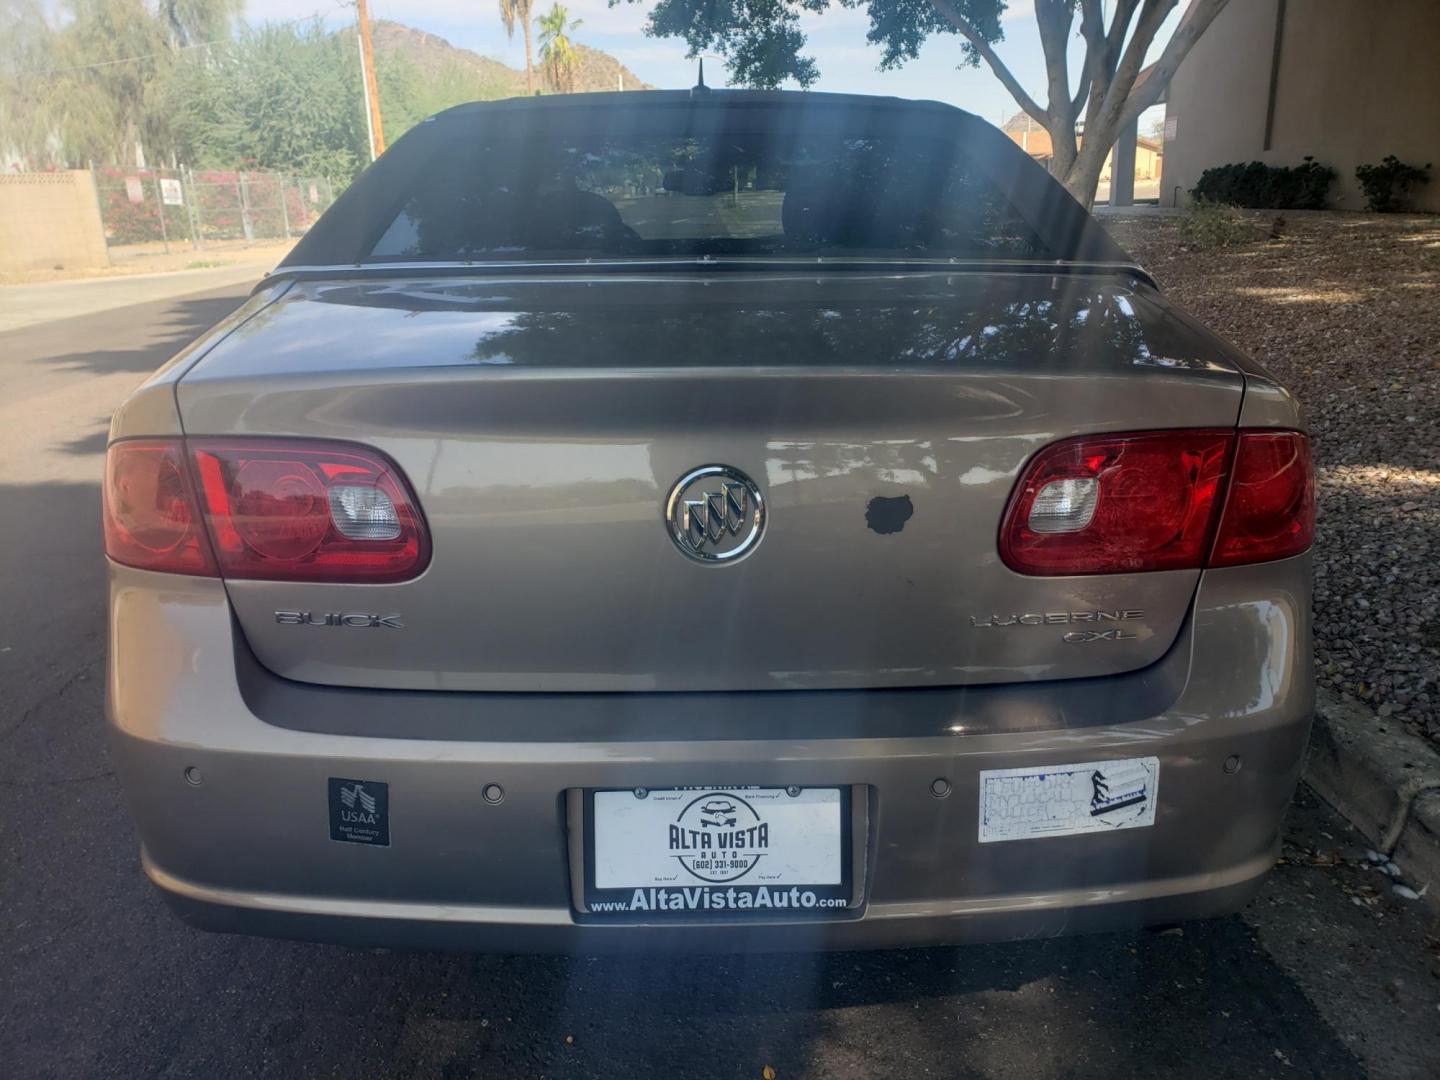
1267,187
1387,185
1208,224
127,222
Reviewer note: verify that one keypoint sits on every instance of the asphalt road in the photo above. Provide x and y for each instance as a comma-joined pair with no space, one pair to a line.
41,302
1324,974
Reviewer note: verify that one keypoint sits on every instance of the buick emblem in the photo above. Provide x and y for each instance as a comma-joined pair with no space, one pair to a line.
715,514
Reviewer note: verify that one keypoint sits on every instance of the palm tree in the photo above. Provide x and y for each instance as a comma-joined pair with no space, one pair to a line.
557,54
511,12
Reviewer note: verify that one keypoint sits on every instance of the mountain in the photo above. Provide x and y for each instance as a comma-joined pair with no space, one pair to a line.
435,58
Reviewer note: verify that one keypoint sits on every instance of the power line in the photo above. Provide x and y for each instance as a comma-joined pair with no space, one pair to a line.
170,52
120,60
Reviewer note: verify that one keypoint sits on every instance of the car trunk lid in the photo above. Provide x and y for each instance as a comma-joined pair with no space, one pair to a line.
544,422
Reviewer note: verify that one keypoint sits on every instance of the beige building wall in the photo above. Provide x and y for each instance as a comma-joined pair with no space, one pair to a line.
1356,80
1036,142
1147,164
50,219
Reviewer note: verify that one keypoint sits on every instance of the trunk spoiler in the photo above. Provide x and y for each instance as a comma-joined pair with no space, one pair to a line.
704,264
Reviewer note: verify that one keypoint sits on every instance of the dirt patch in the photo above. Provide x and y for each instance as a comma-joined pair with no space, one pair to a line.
1345,310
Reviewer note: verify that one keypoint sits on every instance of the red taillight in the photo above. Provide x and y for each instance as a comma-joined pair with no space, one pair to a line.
306,511
1115,504
150,513
1151,501
1270,510
279,510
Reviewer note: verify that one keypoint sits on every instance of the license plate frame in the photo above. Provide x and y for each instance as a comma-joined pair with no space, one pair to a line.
735,897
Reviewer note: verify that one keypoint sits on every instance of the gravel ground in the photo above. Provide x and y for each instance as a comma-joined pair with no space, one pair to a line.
1345,310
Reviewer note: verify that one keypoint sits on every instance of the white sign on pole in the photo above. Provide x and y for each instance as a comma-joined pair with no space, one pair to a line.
171,193
1171,124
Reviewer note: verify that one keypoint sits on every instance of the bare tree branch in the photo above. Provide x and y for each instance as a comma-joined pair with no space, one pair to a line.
981,46
1198,18
1128,94
1092,29
1113,90
1119,25
1151,16
1053,19
1102,51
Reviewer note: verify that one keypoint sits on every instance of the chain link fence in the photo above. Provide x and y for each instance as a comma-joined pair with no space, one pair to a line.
200,206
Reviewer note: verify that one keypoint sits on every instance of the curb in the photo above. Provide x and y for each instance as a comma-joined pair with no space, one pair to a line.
1384,781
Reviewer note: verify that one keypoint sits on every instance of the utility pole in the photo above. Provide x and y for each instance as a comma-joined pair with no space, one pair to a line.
365,93
367,72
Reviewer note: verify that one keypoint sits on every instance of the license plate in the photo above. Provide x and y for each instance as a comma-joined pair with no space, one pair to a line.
697,851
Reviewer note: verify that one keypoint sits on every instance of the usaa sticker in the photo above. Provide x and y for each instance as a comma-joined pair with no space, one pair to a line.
360,811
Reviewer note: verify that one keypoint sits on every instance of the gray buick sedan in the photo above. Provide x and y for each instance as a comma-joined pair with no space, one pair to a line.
715,521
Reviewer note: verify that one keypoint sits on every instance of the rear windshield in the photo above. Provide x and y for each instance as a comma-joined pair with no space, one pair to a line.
741,192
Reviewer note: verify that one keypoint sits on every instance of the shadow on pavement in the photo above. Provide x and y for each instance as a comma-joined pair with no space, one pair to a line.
1207,1004
94,443
157,330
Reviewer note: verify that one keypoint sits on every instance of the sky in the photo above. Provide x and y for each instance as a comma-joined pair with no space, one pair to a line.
836,41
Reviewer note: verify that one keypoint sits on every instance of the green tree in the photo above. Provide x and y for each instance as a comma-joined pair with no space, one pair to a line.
403,96
81,80
558,58
109,57
195,22
27,51
409,94
518,11
281,96
763,46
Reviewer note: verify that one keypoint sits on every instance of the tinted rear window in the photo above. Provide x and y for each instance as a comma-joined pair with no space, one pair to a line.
746,191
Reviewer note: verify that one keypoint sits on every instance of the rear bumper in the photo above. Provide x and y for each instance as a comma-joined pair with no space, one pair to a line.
247,847
476,928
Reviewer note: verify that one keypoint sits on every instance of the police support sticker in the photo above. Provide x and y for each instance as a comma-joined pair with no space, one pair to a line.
1064,800
360,811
